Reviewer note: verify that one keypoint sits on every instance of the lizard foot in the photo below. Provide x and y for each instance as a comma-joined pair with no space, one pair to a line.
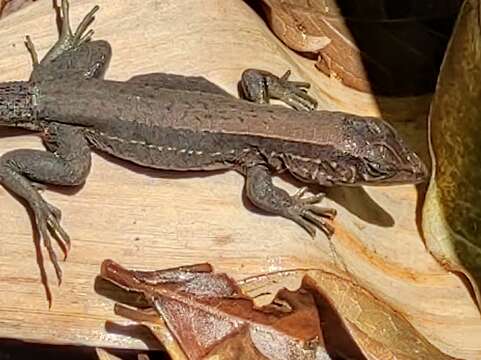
294,93
260,86
308,215
47,218
68,40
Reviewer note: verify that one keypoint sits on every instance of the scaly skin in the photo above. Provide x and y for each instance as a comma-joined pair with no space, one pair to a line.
168,121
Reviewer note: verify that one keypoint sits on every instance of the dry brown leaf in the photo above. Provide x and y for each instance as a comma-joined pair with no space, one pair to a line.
211,318
389,48
378,330
9,6
452,211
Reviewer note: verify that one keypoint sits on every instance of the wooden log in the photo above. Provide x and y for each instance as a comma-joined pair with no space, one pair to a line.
152,219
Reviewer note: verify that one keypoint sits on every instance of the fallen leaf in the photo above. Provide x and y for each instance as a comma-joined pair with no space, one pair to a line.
210,317
452,211
378,330
385,47
9,6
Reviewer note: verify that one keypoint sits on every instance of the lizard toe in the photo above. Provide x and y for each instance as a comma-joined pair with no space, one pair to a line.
81,36
319,222
298,99
55,211
326,212
311,217
306,225
47,219
295,94
42,227
314,199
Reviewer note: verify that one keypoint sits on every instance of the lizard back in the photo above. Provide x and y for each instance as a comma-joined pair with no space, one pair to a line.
187,130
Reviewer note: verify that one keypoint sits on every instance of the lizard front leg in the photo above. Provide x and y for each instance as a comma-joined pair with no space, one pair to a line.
260,86
265,195
69,40
67,163
74,55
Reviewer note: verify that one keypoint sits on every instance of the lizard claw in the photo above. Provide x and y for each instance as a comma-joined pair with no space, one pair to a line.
294,93
310,216
79,37
67,39
47,218
55,212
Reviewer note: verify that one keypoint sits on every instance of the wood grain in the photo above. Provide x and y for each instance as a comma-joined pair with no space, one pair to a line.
10,6
150,219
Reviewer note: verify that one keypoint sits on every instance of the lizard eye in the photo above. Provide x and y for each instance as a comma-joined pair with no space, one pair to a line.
385,154
374,170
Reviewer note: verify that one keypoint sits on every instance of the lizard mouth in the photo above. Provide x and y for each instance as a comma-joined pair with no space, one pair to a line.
393,163
375,171
411,170
401,176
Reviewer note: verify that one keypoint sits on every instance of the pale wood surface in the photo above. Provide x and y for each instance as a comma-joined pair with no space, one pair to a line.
152,220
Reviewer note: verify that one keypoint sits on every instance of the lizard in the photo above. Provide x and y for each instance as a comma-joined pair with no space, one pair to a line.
174,122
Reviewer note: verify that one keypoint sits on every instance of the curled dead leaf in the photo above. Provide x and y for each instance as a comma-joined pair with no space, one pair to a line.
211,317
385,47
9,6
351,315
452,211
378,329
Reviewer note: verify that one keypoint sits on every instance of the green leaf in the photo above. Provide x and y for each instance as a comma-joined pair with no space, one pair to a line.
452,211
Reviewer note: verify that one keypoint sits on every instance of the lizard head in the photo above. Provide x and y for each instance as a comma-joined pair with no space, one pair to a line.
383,158
365,151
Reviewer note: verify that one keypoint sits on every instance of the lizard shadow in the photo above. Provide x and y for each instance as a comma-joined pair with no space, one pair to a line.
132,299
25,349
356,200
157,173
7,132
36,242
136,331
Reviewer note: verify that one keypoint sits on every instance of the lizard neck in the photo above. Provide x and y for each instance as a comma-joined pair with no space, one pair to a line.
17,105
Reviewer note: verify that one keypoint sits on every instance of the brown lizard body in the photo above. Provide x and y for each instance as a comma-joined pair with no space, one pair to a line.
173,122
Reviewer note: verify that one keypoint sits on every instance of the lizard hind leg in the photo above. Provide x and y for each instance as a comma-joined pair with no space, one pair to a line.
303,210
47,217
66,163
